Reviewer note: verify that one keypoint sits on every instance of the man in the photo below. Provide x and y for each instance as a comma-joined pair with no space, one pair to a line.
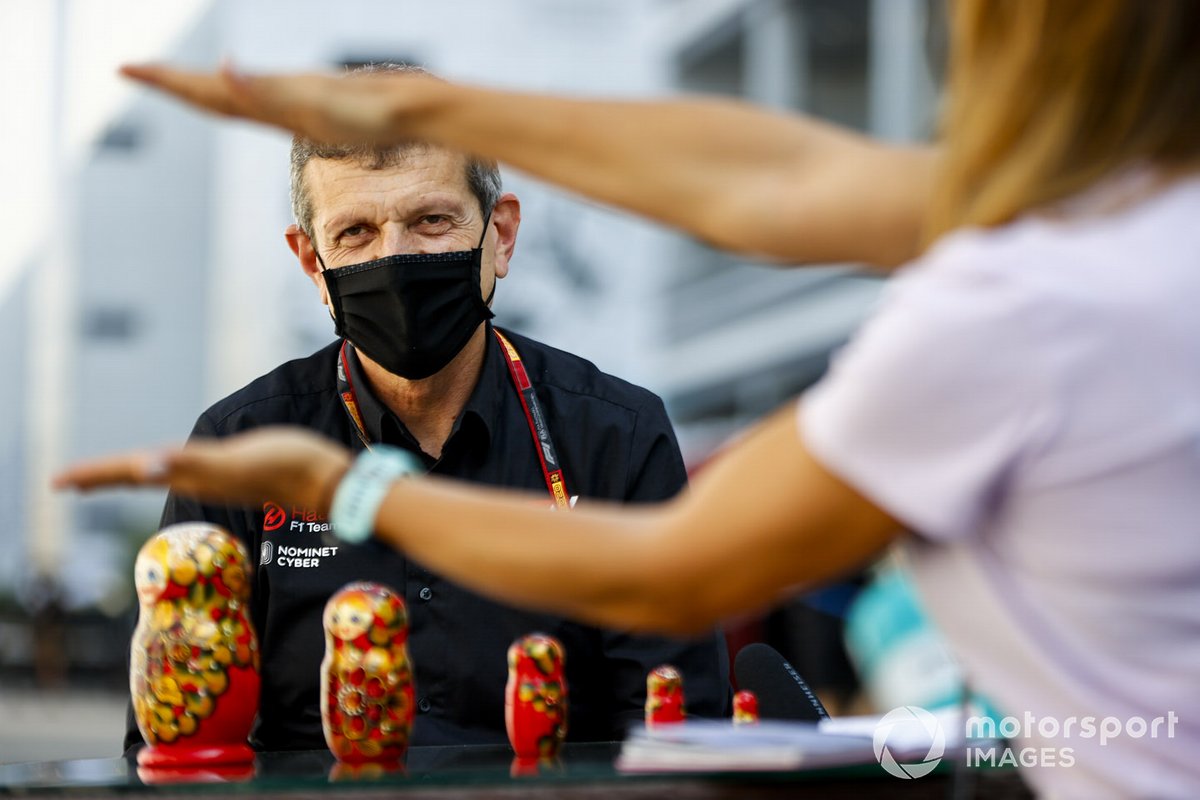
405,246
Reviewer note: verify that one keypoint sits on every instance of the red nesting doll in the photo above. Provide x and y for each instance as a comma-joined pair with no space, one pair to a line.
745,708
664,696
535,699
194,659
366,677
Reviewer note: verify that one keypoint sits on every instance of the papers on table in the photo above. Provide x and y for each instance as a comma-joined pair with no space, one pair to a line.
718,746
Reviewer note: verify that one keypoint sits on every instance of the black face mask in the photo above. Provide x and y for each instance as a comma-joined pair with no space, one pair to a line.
410,313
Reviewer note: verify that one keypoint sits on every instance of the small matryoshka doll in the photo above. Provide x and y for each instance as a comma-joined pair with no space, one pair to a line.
664,696
745,708
535,699
194,658
366,678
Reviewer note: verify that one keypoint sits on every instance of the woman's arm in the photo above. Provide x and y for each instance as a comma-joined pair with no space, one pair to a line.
771,185
764,518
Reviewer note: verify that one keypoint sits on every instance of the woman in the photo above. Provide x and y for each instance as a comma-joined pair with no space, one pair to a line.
1027,397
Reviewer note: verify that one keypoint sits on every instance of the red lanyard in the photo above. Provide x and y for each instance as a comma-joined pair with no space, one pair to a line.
543,445
542,442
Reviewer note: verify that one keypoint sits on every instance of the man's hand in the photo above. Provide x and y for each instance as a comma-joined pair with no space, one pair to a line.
325,108
284,465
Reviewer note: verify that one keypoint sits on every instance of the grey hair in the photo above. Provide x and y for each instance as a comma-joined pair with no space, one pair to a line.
483,176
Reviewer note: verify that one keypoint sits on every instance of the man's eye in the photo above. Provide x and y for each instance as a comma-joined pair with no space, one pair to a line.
352,231
433,219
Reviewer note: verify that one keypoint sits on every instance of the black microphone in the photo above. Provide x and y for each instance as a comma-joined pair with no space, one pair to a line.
781,692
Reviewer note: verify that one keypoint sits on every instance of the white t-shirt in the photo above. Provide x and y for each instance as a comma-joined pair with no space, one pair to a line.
1027,398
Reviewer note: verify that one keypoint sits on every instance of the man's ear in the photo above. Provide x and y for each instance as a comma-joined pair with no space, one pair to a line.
506,219
306,254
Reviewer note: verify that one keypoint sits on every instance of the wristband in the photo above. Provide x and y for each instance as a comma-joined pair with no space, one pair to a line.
358,497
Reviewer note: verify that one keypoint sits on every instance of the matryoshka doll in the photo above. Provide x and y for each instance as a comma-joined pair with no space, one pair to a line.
745,708
535,698
366,678
194,663
664,696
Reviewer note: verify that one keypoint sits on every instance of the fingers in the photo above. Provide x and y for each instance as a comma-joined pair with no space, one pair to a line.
320,107
213,92
211,471
270,463
306,104
202,470
133,469
281,100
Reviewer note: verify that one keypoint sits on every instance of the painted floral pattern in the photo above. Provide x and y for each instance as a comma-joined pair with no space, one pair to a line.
193,638
367,702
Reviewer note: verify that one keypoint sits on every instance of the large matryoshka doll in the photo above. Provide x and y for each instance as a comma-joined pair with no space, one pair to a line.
535,698
366,678
664,696
194,659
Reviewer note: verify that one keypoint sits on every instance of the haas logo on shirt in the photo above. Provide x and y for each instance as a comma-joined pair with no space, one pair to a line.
273,517
299,520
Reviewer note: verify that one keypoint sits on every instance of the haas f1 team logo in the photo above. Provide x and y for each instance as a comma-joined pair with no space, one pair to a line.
299,519
273,517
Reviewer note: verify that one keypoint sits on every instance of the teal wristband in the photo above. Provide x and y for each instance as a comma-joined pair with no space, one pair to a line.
360,494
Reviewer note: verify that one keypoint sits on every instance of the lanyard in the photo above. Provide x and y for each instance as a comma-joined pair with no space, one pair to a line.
538,428
543,445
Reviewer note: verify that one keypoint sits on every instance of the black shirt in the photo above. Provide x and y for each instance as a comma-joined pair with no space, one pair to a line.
614,442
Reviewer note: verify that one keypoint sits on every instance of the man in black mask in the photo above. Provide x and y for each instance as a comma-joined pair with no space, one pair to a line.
405,246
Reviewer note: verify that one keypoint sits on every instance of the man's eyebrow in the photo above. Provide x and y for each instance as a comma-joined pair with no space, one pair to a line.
439,205
341,220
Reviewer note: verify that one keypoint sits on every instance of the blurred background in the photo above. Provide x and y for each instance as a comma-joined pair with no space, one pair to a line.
144,275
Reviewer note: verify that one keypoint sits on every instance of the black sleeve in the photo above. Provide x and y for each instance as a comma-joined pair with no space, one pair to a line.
657,473
180,509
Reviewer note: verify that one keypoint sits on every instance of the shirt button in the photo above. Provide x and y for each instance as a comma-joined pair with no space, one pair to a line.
426,593
424,705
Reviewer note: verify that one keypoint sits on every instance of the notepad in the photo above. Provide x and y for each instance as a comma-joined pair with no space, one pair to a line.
719,746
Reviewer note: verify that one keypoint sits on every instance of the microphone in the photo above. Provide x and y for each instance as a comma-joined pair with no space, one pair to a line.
782,693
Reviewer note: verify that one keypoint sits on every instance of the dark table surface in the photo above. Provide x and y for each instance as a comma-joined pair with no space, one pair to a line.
582,771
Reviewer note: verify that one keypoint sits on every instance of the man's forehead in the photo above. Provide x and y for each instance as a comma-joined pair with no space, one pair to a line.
416,162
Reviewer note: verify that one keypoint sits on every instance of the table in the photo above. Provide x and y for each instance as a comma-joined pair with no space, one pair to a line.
584,770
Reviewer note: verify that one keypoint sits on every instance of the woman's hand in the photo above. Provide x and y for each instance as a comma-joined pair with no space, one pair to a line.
776,186
289,466
325,108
